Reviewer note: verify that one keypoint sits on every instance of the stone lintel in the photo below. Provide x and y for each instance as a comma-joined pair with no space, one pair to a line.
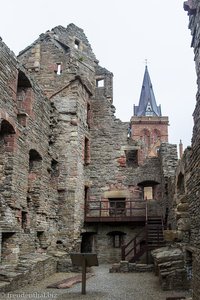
117,194
129,148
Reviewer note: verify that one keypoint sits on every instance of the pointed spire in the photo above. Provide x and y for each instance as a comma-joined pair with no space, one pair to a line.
147,104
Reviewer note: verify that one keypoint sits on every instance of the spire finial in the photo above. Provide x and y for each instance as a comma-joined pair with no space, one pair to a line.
146,62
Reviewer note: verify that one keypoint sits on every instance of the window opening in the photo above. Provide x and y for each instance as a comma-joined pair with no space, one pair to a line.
131,158
148,193
88,115
86,151
24,219
35,161
59,69
24,95
86,192
100,83
117,238
77,44
180,184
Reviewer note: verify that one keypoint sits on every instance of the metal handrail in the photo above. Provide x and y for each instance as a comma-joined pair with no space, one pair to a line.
136,241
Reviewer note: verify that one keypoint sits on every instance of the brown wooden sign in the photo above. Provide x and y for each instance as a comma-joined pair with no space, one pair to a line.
85,260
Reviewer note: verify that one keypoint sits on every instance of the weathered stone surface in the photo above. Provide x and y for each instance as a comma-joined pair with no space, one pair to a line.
170,267
125,266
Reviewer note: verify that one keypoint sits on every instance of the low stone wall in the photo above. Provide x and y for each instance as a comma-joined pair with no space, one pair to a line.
32,268
125,266
170,267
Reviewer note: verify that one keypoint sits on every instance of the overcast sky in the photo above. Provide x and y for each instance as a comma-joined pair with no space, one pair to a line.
122,35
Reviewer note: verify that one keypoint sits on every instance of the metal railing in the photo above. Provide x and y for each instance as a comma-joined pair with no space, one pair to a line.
115,208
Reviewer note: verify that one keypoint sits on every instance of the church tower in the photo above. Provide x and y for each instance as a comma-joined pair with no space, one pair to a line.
148,126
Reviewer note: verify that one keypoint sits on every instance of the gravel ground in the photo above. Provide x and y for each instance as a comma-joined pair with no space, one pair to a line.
102,286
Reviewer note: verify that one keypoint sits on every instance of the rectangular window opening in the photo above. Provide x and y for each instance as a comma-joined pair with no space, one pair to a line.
131,158
148,193
59,69
118,240
100,83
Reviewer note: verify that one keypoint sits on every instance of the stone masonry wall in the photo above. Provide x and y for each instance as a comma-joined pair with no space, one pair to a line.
193,183
26,194
63,63
168,158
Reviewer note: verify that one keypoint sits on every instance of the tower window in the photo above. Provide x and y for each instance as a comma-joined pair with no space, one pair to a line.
77,44
59,69
149,111
100,83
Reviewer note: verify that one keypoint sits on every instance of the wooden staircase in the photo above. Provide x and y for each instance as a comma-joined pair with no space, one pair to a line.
149,238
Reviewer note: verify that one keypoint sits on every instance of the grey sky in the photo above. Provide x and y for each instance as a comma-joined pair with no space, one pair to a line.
122,34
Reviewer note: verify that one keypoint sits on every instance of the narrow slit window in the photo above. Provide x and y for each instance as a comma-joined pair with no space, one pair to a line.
24,219
88,115
59,69
86,151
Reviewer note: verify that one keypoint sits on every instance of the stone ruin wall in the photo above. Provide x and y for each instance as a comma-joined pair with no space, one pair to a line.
28,207
184,185
193,182
69,92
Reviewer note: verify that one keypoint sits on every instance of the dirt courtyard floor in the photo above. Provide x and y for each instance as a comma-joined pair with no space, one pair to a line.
102,286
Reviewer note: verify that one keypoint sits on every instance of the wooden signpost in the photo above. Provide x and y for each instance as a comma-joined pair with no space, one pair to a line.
85,260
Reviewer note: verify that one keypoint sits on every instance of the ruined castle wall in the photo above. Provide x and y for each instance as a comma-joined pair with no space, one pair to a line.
62,62
168,159
193,182
70,145
26,193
